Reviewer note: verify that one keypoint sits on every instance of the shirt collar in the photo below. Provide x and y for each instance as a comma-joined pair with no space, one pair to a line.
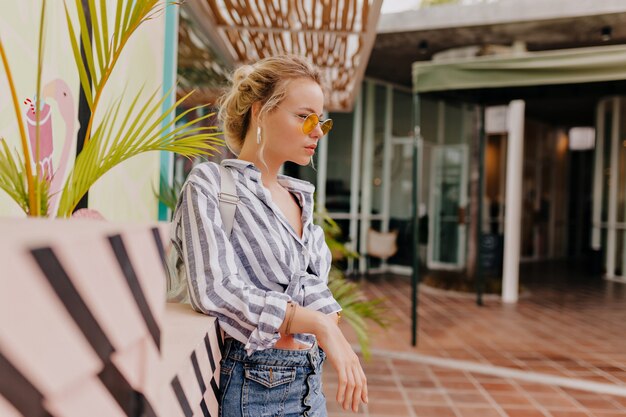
248,169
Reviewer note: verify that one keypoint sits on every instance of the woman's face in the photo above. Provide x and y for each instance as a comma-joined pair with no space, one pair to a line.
282,127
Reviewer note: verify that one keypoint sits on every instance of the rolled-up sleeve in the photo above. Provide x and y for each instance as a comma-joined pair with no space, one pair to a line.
247,313
317,296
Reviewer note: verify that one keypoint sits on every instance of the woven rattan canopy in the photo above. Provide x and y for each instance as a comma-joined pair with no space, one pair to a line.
337,35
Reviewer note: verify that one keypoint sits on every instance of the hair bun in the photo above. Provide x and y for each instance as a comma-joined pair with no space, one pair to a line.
260,82
242,73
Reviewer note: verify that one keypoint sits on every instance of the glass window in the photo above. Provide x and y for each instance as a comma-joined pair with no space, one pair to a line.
608,119
402,114
429,118
379,145
339,169
453,131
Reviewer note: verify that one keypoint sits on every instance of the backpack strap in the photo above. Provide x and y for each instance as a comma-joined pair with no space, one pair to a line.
228,199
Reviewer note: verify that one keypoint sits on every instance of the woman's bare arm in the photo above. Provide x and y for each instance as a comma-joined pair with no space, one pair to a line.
352,384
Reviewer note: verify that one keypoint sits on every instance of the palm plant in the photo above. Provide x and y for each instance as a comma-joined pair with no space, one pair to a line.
117,137
168,195
427,3
357,310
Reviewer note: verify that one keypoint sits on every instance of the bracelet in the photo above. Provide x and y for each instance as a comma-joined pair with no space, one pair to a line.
288,317
291,313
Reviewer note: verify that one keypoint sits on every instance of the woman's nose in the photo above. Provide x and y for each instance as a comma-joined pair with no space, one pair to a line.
317,132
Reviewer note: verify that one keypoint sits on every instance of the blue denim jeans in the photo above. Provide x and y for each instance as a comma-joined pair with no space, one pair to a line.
271,382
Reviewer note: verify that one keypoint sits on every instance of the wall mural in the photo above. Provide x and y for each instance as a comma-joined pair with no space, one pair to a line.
58,91
126,192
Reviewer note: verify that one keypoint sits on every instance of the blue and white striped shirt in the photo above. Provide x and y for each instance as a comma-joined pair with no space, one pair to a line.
247,280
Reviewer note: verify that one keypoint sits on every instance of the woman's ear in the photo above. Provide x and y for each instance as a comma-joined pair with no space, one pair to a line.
256,109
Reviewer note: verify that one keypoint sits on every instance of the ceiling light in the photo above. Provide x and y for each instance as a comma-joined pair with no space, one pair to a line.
423,47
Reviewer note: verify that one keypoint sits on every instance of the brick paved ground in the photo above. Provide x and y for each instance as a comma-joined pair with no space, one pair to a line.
565,325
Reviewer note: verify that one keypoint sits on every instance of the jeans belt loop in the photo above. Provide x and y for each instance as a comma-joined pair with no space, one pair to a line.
227,347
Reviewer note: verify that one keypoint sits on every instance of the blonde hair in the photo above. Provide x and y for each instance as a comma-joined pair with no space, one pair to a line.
264,81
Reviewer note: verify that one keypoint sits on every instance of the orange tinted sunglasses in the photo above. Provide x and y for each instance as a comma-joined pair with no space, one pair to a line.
313,120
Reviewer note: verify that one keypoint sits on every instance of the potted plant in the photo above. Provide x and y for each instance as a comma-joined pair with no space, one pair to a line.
111,137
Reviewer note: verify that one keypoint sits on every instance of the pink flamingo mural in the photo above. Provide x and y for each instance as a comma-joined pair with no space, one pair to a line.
44,164
59,91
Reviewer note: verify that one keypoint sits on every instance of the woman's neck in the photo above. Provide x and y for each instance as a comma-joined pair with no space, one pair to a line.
269,169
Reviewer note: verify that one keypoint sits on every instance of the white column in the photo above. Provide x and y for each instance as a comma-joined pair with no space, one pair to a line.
355,176
322,165
433,248
441,122
596,231
366,185
504,146
613,181
513,205
387,156
554,136
617,125
538,164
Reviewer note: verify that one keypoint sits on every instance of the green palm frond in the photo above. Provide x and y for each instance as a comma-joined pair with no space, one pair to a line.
29,191
143,129
332,231
30,182
428,3
356,308
168,195
43,192
117,138
42,187
104,49
330,226
12,179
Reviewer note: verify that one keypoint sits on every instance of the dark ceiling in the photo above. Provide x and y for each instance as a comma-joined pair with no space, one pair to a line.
393,53
565,105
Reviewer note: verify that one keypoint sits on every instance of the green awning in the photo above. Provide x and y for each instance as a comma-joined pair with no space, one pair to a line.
568,66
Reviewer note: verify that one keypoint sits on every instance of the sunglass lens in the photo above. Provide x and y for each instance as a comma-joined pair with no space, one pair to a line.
326,126
309,123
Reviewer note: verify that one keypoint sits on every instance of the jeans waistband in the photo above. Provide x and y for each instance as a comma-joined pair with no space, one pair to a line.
312,357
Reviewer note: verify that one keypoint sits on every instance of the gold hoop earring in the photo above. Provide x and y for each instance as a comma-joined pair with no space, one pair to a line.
258,135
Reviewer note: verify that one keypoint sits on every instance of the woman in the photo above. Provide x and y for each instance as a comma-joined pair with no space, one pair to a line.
267,282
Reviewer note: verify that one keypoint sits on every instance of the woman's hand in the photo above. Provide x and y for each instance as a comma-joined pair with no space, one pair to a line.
352,387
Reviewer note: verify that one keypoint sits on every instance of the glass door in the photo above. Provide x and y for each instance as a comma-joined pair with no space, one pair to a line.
448,202
610,187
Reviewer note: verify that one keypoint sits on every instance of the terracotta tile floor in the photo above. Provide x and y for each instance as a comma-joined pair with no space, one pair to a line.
564,325
465,394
